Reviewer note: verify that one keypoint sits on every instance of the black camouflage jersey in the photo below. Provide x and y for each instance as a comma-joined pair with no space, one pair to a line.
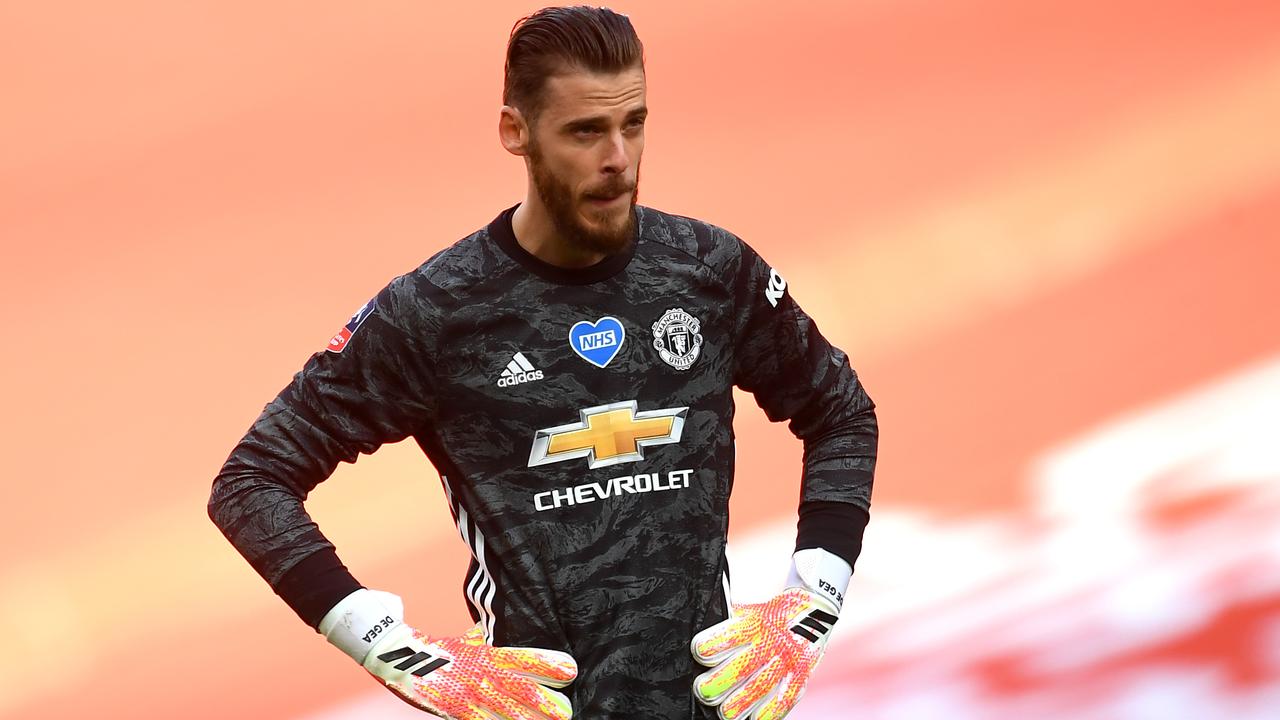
582,425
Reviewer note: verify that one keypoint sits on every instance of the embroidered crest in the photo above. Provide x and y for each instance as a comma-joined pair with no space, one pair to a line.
676,338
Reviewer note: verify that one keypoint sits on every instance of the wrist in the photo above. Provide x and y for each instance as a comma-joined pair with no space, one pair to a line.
360,620
822,573
315,585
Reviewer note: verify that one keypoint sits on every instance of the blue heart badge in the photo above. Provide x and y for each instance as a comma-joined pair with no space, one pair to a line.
597,342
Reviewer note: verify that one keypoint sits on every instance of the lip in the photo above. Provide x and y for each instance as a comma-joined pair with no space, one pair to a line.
606,201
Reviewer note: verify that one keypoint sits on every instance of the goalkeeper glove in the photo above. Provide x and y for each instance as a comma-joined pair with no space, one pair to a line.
762,656
461,678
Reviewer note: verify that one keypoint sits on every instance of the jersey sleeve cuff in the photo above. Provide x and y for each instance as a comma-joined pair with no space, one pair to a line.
314,586
836,527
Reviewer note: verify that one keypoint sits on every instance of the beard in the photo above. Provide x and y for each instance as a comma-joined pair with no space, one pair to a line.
613,229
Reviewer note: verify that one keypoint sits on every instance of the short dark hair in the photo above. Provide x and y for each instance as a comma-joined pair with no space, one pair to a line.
560,39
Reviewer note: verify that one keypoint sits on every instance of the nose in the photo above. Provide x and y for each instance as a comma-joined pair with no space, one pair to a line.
615,160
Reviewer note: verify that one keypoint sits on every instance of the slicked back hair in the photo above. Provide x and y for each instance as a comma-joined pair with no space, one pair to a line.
564,39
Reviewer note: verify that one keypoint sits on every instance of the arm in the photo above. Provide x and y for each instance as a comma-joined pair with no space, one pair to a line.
795,374
762,656
370,387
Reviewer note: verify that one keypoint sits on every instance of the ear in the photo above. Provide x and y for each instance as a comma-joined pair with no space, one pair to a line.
513,131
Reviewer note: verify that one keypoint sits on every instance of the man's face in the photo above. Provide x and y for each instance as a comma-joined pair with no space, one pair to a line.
584,156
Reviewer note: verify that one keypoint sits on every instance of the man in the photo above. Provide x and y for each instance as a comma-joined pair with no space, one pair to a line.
569,369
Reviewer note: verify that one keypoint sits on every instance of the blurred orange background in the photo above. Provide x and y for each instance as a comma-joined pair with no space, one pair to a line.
1047,233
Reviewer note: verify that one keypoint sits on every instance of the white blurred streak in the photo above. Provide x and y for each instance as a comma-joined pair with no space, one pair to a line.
1229,430
380,704
1144,583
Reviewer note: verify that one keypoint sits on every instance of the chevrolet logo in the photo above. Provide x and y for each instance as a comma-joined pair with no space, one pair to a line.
608,435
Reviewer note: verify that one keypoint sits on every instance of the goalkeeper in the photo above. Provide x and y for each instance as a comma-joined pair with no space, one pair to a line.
568,369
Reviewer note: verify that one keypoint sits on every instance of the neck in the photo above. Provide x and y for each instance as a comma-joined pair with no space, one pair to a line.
536,233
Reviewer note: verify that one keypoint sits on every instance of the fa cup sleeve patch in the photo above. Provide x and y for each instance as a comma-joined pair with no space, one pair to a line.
339,341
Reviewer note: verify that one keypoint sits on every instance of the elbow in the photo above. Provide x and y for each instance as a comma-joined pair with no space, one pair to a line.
869,423
860,419
231,489
216,506
241,491
852,434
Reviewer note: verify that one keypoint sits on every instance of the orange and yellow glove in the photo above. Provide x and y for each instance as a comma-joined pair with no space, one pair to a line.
462,678
762,656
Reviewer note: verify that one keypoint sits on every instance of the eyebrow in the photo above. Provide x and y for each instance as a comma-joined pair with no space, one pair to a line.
598,120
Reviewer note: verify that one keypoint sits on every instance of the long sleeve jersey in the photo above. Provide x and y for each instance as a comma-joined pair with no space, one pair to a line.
582,425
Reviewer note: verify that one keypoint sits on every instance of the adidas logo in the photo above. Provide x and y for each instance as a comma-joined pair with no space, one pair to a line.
519,370
816,621
414,658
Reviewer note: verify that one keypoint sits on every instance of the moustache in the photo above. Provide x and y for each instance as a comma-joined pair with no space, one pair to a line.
611,190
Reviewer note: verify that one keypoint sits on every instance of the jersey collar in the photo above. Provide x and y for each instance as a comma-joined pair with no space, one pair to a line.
503,234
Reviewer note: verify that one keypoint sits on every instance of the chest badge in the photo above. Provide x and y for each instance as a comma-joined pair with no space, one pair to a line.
597,342
676,338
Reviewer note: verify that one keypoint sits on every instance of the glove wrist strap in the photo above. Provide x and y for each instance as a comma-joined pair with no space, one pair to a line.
823,573
360,620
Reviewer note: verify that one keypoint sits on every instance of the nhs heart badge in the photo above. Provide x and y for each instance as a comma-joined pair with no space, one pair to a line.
597,342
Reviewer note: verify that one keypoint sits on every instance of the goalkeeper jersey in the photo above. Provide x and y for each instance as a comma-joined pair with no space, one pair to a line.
582,425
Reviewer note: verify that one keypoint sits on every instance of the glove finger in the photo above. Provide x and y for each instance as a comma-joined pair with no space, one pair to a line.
711,645
553,705
755,691
476,697
502,706
522,697
547,667
790,690
473,636
543,703
712,686
433,706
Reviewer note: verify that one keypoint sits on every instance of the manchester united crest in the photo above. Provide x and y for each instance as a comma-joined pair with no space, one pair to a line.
676,337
